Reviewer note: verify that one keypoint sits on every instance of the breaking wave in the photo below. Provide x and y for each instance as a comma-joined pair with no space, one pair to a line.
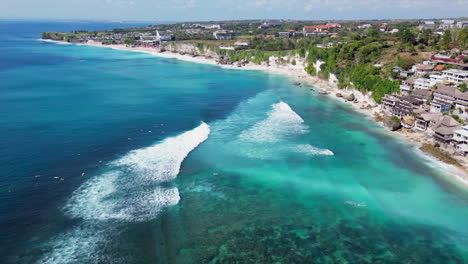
282,121
161,162
129,191
311,150
281,124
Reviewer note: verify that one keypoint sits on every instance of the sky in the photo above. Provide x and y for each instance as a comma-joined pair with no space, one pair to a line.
205,10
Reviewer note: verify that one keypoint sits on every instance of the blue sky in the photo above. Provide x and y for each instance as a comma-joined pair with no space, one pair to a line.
189,10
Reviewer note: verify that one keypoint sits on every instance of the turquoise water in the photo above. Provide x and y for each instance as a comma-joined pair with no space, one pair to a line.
120,157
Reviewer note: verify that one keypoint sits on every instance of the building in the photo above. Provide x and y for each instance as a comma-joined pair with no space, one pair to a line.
401,72
287,34
440,107
425,120
162,38
422,83
315,30
460,140
444,129
422,95
462,24
445,97
399,106
447,24
461,100
389,101
407,86
333,25
364,26
266,25
436,79
222,35
421,69
402,108
428,25
455,76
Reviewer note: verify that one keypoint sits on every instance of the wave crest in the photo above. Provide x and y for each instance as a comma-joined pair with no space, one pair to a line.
281,122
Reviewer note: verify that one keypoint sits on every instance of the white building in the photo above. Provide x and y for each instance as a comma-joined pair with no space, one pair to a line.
422,83
460,138
462,24
222,35
447,24
436,79
456,76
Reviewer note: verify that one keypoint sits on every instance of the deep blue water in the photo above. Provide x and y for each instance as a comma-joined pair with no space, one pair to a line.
119,157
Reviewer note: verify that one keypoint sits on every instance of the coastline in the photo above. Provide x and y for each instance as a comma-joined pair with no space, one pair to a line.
297,72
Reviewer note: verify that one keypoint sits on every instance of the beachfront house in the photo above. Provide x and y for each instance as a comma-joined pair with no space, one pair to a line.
426,120
444,129
460,139
455,76
389,101
399,105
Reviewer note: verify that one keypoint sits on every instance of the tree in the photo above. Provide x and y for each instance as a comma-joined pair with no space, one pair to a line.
425,36
463,87
462,38
406,36
446,39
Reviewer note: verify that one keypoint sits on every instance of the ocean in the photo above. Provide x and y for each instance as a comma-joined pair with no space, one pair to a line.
111,156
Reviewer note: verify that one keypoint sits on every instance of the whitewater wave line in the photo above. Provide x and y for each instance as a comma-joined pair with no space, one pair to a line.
281,123
129,191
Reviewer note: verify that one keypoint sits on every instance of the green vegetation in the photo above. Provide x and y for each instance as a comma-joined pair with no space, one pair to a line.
352,56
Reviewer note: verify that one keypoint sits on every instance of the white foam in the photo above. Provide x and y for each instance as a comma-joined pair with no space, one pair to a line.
282,121
54,41
103,199
161,162
311,150
77,246
128,192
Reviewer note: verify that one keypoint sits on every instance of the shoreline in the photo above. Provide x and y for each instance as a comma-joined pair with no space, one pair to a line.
297,72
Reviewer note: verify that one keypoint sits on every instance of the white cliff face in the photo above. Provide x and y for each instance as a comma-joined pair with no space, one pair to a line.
188,48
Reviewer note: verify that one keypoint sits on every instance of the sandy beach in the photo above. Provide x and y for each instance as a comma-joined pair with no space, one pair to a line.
297,73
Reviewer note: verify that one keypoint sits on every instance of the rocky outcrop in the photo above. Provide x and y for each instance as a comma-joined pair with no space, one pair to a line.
392,123
350,98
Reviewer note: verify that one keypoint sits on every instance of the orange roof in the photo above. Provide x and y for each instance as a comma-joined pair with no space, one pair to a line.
333,25
439,67
322,27
291,30
326,31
